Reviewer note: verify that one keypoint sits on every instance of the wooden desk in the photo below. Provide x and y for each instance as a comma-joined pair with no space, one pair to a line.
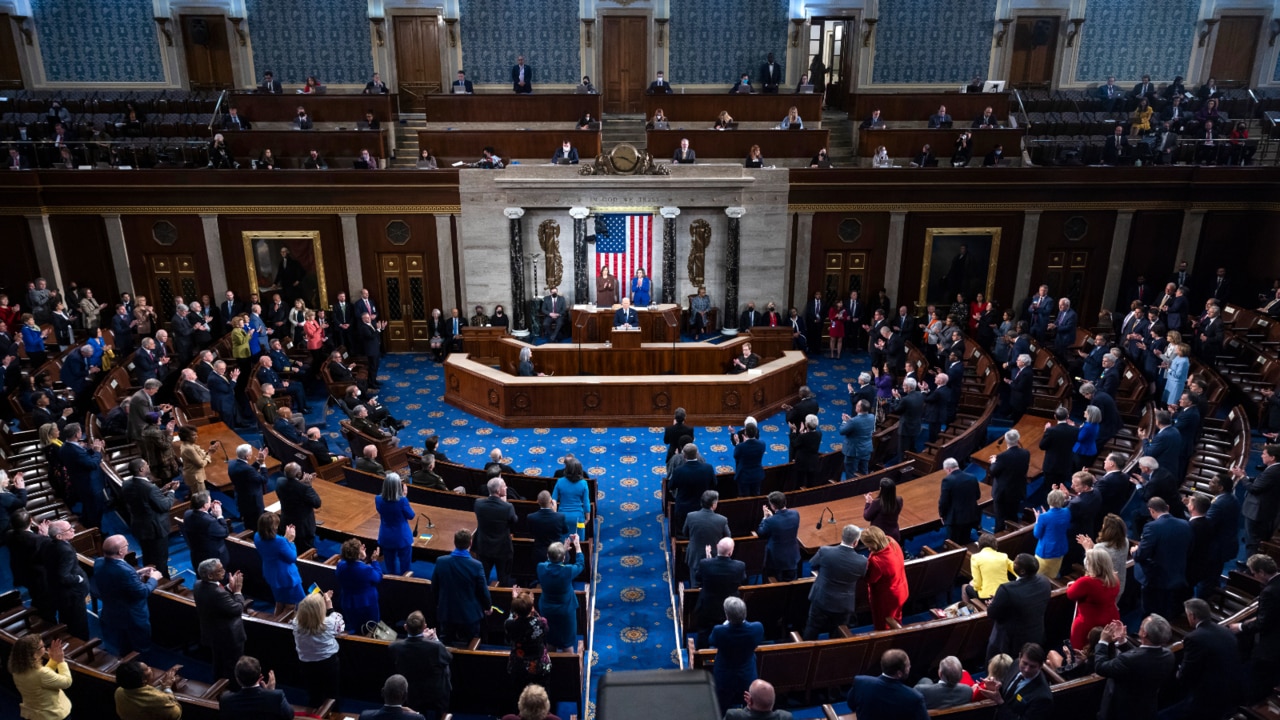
906,142
258,108
479,343
1031,428
215,473
702,109
919,512
598,386
451,146
917,107
510,107
658,323
735,144
291,147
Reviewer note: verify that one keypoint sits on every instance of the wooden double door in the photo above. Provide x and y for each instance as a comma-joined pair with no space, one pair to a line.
624,67
417,45
1035,51
168,276
207,51
404,285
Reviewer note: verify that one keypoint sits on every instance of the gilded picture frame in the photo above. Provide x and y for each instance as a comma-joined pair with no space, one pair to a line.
262,262
941,247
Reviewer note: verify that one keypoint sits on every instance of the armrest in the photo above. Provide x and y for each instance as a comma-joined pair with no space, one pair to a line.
893,624
844,631
795,637
829,712
474,644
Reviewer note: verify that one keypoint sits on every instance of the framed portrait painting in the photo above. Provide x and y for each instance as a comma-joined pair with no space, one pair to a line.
289,262
958,261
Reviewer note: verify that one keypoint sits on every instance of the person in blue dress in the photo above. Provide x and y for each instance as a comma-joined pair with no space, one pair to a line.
1175,380
394,536
99,345
735,642
571,495
358,585
33,341
558,603
640,289
1086,447
279,561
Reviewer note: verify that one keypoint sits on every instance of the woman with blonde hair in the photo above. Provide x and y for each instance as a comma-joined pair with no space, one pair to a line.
297,317
881,159
1114,538
792,119
1095,594
997,667
886,577
40,685
1051,531
724,120
534,705
51,446
315,636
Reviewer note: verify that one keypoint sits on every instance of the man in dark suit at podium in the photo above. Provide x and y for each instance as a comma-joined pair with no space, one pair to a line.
462,86
626,316
554,308
270,84
660,86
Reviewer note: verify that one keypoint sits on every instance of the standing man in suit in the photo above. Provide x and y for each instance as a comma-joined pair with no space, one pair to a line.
257,696
1164,444
341,317
671,436
554,308
521,76
1024,692
250,480
770,75
206,530
1211,671
833,595
149,514
298,504
1264,627
814,317
495,521
462,595
368,342
1064,327
958,502
687,485
1134,676
1008,473
365,306
1261,500
1042,307
1057,442
909,404
659,86
227,309
1020,381
718,577
1224,518
1017,609
887,697
68,583
424,662
395,692
1220,287
1211,336
220,609
123,590
270,84
82,463
704,528
545,524
779,528
1160,559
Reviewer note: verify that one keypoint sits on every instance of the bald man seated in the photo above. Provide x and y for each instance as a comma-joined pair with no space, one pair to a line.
759,699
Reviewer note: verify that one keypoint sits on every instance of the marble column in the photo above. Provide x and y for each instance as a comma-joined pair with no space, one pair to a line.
581,288
802,259
893,256
213,251
519,316
1115,265
351,253
732,262
1189,241
669,215
1026,253
46,254
119,256
450,266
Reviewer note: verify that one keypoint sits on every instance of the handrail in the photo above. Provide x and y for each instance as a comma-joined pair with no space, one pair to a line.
216,107
1022,107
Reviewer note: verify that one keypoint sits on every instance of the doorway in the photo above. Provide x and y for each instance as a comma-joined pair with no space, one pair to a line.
402,279
417,40
208,53
624,62
1035,51
832,40
1234,50
169,276
10,70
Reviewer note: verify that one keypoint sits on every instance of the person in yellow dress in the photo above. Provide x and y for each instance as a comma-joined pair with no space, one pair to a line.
1141,120
990,569
41,686
194,458
138,699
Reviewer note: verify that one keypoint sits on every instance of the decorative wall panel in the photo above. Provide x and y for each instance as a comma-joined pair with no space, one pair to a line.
546,32
75,46
933,41
296,38
1130,38
715,41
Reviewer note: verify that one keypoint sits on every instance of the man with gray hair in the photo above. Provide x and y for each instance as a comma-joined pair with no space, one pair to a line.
140,403
806,453
740,637
76,373
858,431
249,478
68,582
1017,388
1135,675
958,502
947,692
833,595
864,391
181,329
718,577
704,527
220,608
495,521
298,504
1008,473
909,405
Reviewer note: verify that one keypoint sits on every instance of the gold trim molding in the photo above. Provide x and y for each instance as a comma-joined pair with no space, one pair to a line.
237,210
1027,206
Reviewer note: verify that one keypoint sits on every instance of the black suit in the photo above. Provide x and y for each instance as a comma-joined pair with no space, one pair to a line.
704,528
254,703
671,436
718,578
1032,701
206,536
149,520
910,409
1059,460
1009,486
298,504
495,521
815,314
659,88
425,664
553,327
221,625
68,586
527,87
1133,678
806,453
546,526
1017,614
368,342
1265,626
339,315
1210,673
1020,384
771,76
958,505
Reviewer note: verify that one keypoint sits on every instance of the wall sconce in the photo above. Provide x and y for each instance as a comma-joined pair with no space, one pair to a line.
163,22
1004,30
586,26
238,22
870,32
795,36
21,22
377,30
1074,31
452,24
1209,24
662,26
1275,32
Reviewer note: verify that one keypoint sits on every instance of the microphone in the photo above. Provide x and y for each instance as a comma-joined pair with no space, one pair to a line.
826,511
430,525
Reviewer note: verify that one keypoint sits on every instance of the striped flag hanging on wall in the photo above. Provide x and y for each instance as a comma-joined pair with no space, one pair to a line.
623,244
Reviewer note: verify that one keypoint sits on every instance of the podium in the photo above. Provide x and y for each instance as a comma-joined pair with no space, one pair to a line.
770,342
481,343
658,323
624,339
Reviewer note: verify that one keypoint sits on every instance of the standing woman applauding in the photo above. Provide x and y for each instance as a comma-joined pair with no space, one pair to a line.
640,289
40,685
315,637
394,536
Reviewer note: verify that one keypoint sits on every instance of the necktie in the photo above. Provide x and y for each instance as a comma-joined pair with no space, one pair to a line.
455,326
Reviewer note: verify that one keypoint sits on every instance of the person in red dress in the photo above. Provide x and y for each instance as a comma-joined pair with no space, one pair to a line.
837,315
977,308
1095,594
886,577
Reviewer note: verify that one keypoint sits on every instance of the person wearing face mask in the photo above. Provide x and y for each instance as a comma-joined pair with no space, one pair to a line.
566,154
554,309
743,86
659,86
499,317
995,158
303,121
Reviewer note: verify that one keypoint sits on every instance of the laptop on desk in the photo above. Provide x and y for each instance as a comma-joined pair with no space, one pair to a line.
662,125
806,90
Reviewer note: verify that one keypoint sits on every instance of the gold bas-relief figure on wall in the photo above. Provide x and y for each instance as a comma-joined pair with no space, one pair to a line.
700,230
549,240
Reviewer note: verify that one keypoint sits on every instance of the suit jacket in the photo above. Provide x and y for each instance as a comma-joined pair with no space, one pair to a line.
139,405
703,528
1266,623
1111,422
885,698
254,703
391,713
368,341
672,435
1211,670
250,483
462,595
937,405
838,568
1160,561
206,536
1262,495
124,602
938,695
806,450
1034,700
1166,449
1021,381
495,521
425,664
1009,477
718,578
462,86
75,372
148,509
1017,614
958,500
546,526
298,504
1133,678
1224,518
528,77
782,550
688,482
1059,460
910,409
555,304
68,582
1117,147
626,317
220,613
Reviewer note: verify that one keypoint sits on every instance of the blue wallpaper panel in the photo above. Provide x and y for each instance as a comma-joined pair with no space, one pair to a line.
296,38
715,41
546,32
1276,76
74,47
1109,45
933,41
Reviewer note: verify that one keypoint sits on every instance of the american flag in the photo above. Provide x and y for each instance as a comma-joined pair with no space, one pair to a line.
623,244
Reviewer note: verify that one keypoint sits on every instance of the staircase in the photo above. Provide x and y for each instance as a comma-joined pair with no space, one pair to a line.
407,140
840,149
